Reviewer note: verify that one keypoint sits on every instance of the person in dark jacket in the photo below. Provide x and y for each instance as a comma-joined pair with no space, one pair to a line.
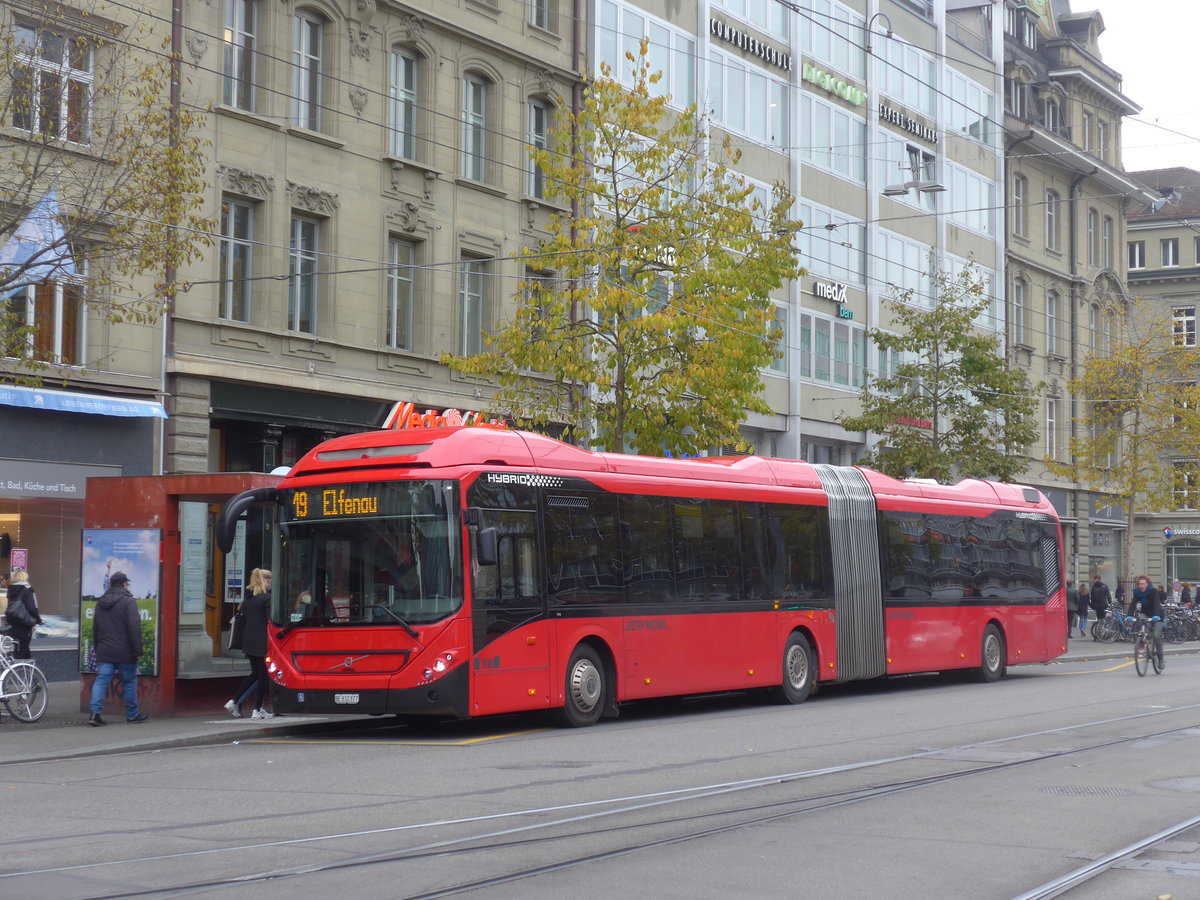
1100,597
1148,600
19,592
256,610
117,637
1082,603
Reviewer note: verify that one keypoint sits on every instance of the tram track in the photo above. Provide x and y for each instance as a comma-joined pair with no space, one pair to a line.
563,826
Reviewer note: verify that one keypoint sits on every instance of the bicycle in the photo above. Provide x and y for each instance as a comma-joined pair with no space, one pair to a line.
1146,646
22,684
1112,626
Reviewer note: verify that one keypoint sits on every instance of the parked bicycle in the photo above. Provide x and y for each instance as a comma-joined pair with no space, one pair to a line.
1112,627
22,685
1147,647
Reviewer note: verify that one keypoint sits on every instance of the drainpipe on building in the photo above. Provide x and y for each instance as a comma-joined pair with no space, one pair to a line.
1073,258
169,273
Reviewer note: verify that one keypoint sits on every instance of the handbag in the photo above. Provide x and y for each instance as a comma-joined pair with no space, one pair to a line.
18,614
237,626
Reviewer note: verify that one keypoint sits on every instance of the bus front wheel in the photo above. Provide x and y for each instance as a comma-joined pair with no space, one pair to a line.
992,666
799,671
585,689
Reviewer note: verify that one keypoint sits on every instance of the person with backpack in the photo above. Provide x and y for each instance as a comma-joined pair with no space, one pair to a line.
21,614
1099,598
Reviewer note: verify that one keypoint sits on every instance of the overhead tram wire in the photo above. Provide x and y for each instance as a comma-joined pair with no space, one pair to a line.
385,266
457,122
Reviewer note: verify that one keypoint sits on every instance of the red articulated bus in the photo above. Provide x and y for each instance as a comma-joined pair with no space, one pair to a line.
468,571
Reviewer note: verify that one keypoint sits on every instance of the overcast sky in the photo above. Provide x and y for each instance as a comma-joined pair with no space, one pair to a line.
1155,45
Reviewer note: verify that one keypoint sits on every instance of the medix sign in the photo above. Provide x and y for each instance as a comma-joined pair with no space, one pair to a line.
406,415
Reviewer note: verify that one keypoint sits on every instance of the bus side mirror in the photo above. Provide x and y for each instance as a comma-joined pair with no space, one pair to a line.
233,509
487,552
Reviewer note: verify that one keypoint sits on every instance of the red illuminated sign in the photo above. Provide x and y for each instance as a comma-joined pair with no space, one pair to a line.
406,415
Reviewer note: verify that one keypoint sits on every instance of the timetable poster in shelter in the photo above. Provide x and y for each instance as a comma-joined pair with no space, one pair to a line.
136,552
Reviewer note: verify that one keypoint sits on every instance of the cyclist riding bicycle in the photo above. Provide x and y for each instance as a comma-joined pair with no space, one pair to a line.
1147,600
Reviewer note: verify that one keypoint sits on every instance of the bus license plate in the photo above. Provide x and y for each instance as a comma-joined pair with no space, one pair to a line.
345,699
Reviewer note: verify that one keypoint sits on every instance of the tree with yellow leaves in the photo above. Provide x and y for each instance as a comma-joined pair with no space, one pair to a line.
654,321
1135,441
101,178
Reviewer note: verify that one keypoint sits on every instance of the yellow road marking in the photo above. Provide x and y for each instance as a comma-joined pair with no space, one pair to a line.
1124,665
466,742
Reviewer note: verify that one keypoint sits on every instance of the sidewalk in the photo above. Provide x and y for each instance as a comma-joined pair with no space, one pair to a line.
63,731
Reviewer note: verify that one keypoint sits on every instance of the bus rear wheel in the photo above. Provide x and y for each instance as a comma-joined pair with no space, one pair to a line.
992,666
799,671
585,690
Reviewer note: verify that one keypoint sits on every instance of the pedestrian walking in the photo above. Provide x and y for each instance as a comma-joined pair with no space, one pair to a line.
1072,607
1082,603
117,637
1099,598
1185,596
255,612
21,614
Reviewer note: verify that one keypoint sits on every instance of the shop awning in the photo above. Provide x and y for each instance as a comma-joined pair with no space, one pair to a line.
70,401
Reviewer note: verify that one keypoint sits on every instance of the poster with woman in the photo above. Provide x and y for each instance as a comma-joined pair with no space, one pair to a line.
136,552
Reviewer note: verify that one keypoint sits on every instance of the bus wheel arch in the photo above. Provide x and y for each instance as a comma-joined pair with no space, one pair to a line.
993,654
798,679
587,686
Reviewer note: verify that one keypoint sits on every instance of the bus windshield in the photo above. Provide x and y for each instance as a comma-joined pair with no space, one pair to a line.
368,554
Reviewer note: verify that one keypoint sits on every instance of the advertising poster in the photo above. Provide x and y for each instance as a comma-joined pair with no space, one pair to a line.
194,552
136,552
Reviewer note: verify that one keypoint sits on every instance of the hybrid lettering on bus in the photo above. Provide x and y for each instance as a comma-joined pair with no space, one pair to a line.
460,571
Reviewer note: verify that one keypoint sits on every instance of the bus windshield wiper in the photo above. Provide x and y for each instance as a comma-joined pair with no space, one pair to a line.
412,632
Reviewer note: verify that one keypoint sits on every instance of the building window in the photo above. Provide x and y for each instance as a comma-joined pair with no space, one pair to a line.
401,255
1106,243
402,95
239,53
1016,98
1187,485
306,65
671,51
1094,327
474,131
1019,211
52,84
1170,251
470,301
1051,428
837,140
1093,237
1196,243
1051,220
54,314
1102,140
541,14
1018,311
237,254
538,137
1184,321
743,99
1052,322
1085,133
1050,114
1137,254
302,272
779,364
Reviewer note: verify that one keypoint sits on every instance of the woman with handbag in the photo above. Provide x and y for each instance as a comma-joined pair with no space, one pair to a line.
21,614
255,613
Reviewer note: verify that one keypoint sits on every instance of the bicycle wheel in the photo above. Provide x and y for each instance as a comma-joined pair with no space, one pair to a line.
1141,654
1156,657
23,687
1106,631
